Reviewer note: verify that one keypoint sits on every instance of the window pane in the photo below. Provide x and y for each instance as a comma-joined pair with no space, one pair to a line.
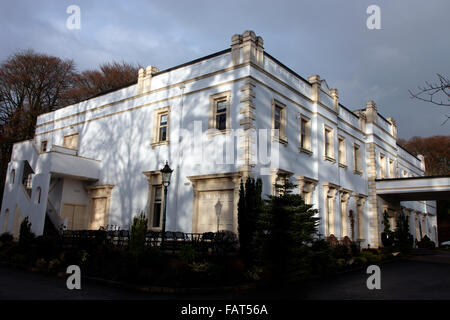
156,215
277,114
162,134
158,194
221,121
163,119
221,106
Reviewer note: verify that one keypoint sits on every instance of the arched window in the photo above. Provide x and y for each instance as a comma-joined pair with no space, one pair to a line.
13,175
38,195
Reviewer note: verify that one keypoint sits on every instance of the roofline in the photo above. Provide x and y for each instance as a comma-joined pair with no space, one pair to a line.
411,178
102,93
407,151
287,68
218,53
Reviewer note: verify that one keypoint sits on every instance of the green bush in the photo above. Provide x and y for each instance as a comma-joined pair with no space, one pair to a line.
323,260
361,260
138,234
187,253
26,237
6,238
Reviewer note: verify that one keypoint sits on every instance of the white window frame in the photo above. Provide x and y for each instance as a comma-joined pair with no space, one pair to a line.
330,156
156,139
304,142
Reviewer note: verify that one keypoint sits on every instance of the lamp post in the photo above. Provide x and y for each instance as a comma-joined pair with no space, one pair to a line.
218,207
166,173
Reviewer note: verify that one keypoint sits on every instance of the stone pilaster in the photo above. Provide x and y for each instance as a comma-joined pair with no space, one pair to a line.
145,79
247,47
393,127
371,112
335,96
362,120
315,82
344,196
372,201
247,123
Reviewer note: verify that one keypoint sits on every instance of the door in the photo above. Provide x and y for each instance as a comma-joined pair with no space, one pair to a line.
76,216
208,220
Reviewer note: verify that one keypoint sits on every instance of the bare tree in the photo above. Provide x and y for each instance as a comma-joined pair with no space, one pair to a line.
109,76
31,84
437,93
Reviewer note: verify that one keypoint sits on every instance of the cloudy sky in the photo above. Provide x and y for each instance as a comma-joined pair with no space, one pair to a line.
329,38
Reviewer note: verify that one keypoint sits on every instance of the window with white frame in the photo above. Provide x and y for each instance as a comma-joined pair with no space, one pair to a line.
382,166
71,141
391,168
342,157
161,126
279,121
219,114
156,213
305,134
328,143
357,158
44,146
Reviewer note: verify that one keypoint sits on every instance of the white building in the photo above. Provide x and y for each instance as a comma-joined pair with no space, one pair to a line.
96,163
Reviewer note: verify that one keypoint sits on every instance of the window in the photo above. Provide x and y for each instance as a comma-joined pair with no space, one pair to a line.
219,115
28,180
71,141
328,144
382,166
163,123
305,135
44,144
357,159
277,118
341,152
13,176
157,207
38,195
279,121
391,169
161,127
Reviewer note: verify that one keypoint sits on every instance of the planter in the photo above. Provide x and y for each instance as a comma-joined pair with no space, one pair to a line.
387,239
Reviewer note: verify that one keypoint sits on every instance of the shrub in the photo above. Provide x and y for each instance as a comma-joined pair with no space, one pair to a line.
53,264
361,260
426,243
187,253
6,238
249,208
41,264
138,234
285,228
323,260
403,240
26,236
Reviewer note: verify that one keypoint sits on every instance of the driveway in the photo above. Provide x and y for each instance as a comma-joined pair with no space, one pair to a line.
421,277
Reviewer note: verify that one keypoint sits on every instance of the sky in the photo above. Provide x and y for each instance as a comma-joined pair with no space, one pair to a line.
329,38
